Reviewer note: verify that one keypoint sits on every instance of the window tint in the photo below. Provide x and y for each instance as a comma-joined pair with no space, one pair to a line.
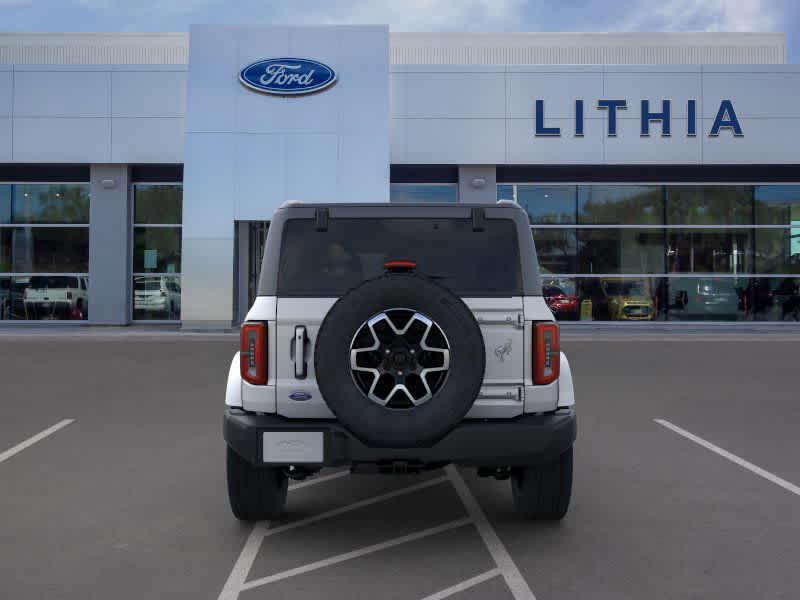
556,250
709,250
479,263
157,249
548,204
45,203
709,205
621,251
159,204
44,249
620,204
777,205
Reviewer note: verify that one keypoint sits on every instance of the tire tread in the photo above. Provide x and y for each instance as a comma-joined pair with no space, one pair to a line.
543,492
255,494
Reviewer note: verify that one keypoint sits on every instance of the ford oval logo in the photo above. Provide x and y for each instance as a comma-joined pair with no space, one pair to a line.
300,396
287,76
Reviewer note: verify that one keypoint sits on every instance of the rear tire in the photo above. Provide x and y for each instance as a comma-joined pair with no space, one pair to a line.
543,492
255,493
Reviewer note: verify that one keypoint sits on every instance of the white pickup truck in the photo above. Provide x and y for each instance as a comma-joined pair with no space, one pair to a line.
56,296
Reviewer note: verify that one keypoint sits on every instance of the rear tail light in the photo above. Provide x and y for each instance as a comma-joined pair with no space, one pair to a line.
253,352
546,353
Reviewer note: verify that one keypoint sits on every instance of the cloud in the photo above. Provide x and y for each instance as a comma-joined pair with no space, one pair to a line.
705,15
413,15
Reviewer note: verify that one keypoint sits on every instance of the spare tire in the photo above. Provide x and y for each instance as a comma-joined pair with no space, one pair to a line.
399,360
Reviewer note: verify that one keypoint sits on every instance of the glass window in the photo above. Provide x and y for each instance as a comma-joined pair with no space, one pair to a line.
471,263
548,204
44,263
46,203
778,250
709,205
707,299
157,215
777,205
158,204
5,203
156,297
709,250
505,192
561,295
621,251
157,250
621,298
423,192
44,297
774,299
556,249
620,204
44,249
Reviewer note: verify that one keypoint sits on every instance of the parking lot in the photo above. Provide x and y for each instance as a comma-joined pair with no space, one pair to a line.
112,483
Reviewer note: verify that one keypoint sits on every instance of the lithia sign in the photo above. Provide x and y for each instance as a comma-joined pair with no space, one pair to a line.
726,119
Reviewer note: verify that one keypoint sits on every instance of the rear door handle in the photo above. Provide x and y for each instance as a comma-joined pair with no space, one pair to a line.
300,352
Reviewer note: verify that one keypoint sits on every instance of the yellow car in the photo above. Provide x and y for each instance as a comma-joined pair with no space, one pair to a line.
628,299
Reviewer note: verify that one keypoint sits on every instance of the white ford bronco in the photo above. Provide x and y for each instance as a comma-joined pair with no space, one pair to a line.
399,338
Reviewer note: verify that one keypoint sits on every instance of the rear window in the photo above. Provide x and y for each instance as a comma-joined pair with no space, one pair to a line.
39,282
329,263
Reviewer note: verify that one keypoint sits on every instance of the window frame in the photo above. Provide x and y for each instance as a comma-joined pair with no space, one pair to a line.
133,274
81,276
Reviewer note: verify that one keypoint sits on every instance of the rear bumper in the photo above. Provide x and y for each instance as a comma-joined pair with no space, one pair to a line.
525,440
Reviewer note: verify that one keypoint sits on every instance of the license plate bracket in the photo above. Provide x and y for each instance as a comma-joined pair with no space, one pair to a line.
293,447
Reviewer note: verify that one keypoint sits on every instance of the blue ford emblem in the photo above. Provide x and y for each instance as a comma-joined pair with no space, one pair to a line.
287,76
300,396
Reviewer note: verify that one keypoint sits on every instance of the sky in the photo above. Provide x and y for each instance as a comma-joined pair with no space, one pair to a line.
414,15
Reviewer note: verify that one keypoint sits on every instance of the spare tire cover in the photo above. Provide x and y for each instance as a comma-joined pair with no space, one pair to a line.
399,360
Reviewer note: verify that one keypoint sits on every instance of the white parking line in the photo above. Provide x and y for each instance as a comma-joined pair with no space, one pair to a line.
516,583
321,479
4,456
731,457
464,585
261,530
326,562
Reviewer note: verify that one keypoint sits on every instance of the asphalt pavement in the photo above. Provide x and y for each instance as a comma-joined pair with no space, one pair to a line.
112,483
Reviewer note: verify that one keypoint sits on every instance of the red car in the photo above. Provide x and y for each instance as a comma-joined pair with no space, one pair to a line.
563,305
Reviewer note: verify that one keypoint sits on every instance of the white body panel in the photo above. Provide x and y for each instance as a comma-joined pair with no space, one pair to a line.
233,391
502,325
507,390
308,313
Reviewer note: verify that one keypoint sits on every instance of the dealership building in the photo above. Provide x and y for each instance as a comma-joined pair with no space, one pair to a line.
139,172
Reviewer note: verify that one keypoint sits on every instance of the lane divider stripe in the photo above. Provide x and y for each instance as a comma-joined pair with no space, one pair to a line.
321,479
33,439
787,485
514,580
261,530
464,585
326,562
